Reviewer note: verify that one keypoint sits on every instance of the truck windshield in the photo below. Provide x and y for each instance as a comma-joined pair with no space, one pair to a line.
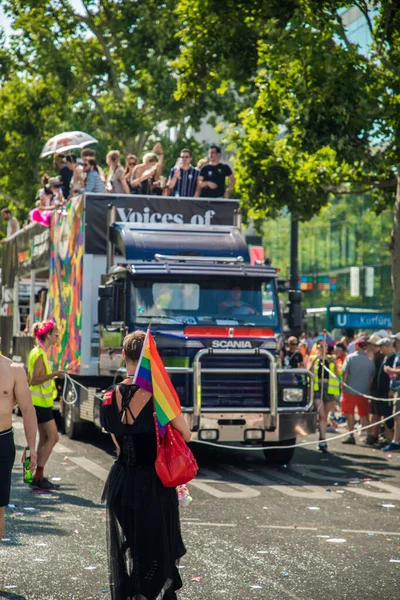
253,302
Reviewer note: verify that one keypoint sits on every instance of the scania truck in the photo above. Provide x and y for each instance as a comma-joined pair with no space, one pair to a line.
181,266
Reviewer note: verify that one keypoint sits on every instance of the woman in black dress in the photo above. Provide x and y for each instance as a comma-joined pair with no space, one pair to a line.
143,530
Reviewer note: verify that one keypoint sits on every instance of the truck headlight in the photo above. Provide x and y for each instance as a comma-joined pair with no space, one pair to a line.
292,395
209,434
253,435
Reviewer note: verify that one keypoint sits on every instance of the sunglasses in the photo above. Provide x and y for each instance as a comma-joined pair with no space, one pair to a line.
185,156
132,164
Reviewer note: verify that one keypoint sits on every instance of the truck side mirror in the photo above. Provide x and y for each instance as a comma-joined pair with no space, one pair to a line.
105,309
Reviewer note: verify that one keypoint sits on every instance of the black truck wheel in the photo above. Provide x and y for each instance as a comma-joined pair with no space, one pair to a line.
275,455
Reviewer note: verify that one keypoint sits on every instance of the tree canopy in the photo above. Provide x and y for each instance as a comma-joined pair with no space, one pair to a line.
310,105
106,69
110,58
315,115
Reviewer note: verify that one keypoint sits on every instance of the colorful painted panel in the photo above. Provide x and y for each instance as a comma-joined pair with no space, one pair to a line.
65,293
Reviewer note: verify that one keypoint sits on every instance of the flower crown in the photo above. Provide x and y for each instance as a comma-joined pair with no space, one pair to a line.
44,328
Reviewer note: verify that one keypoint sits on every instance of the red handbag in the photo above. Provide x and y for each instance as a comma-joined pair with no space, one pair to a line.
175,463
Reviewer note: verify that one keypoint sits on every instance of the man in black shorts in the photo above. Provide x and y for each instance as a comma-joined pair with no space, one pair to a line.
13,388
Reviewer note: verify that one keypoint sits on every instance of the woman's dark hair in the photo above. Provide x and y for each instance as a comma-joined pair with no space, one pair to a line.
128,158
45,184
133,344
92,162
71,158
44,324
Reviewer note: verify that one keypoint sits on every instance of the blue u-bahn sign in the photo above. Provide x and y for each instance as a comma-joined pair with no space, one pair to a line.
363,320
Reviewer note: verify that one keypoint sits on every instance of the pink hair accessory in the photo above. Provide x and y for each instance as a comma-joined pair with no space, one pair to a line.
45,328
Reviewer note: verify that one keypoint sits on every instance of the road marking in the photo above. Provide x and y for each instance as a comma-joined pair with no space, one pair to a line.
301,528
313,492
207,524
294,527
61,449
388,492
90,467
212,479
368,531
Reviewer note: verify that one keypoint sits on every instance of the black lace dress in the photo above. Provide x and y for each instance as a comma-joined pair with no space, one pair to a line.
143,530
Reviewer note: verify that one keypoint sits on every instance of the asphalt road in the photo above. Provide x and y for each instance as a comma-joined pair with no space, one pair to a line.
326,526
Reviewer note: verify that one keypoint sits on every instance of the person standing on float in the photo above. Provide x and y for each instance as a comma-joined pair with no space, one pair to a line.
43,391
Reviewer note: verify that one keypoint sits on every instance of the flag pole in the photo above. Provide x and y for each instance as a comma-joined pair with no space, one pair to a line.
141,354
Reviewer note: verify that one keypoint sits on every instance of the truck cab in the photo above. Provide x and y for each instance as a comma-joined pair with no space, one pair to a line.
215,318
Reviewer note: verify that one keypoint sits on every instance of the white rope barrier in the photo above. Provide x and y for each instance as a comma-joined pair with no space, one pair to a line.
356,391
331,439
73,383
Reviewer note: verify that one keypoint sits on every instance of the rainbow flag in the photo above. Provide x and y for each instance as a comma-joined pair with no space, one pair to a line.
152,376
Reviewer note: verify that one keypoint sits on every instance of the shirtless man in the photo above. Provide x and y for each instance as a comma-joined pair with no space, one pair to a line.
13,388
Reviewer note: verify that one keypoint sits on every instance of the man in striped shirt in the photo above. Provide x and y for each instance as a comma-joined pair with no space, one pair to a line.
94,183
182,179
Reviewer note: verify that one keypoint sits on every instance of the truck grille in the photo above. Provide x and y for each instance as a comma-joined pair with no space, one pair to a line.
233,389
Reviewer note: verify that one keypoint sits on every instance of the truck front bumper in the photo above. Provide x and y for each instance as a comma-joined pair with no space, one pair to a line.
246,427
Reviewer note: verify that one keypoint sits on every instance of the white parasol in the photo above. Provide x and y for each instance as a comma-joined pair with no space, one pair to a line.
64,142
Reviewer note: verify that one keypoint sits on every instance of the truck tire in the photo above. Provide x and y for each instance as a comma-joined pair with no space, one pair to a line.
73,426
277,456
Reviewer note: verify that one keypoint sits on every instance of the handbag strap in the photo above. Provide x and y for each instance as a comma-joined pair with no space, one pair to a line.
171,429
156,428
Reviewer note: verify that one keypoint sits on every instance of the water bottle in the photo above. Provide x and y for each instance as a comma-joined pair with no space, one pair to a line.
286,362
28,477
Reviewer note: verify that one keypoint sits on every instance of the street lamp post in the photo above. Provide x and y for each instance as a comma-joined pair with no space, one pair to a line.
295,296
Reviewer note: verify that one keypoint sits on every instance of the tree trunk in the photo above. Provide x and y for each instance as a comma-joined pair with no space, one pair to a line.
140,141
396,259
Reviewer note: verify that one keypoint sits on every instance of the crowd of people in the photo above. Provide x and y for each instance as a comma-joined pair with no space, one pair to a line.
352,374
76,175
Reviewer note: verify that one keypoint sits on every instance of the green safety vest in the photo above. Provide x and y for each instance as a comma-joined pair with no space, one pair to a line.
333,383
44,394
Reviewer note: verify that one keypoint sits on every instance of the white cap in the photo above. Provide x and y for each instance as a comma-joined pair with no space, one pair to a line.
385,342
383,333
396,336
375,338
